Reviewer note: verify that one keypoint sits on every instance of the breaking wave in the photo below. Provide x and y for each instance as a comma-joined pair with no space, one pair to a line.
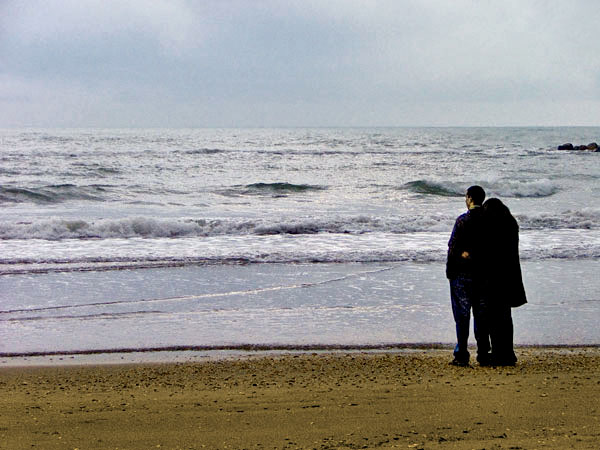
204,151
435,188
279,189
58,229
501,188
57,193
282,187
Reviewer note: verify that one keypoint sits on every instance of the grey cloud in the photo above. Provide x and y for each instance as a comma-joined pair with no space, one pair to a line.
263,63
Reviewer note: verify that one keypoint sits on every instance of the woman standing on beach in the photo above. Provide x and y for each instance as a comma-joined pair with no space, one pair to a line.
504,283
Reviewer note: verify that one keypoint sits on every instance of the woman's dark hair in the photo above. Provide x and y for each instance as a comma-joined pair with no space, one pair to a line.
495,206
498,213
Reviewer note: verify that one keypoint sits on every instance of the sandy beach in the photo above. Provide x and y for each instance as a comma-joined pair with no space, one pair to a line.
410,399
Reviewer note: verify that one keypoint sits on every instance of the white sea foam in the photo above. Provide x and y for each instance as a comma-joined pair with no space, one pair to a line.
30,256
517,189
587,218
57,228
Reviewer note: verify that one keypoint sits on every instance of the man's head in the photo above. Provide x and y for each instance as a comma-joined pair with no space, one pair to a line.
475,196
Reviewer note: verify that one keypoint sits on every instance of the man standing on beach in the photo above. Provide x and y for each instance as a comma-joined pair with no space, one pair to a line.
463,269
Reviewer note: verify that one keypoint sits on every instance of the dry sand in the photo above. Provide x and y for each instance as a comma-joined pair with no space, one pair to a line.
410,400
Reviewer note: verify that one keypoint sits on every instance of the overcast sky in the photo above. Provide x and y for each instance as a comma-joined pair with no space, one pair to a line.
204,63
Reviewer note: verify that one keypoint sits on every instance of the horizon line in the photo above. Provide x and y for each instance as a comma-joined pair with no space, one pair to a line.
267,127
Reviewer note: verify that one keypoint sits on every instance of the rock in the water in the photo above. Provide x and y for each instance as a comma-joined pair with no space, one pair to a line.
593,146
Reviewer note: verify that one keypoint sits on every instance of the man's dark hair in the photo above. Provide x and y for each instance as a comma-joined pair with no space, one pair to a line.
477,194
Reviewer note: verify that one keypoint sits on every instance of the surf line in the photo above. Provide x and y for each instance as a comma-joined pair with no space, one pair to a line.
203,296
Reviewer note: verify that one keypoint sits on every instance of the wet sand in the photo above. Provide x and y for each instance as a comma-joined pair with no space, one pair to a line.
411,399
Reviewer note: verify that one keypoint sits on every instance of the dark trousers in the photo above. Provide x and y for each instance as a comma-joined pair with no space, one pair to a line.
467,294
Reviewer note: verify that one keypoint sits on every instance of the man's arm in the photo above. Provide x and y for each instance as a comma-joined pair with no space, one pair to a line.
456,242
455,249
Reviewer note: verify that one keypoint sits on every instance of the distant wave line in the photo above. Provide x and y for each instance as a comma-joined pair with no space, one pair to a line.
84,317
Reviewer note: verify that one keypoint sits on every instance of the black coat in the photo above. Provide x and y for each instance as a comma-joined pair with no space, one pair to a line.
504,282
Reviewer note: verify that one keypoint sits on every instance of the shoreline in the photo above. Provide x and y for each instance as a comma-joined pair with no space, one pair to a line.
329,400
199,354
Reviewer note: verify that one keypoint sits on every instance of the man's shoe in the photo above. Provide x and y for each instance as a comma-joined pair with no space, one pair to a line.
459,363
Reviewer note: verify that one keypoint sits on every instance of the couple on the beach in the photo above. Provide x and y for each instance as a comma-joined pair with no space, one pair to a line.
485,275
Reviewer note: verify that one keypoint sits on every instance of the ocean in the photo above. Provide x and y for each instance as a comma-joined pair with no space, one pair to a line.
210,238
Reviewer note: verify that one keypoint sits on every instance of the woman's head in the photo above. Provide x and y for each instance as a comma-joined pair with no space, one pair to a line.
495,206
496,210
